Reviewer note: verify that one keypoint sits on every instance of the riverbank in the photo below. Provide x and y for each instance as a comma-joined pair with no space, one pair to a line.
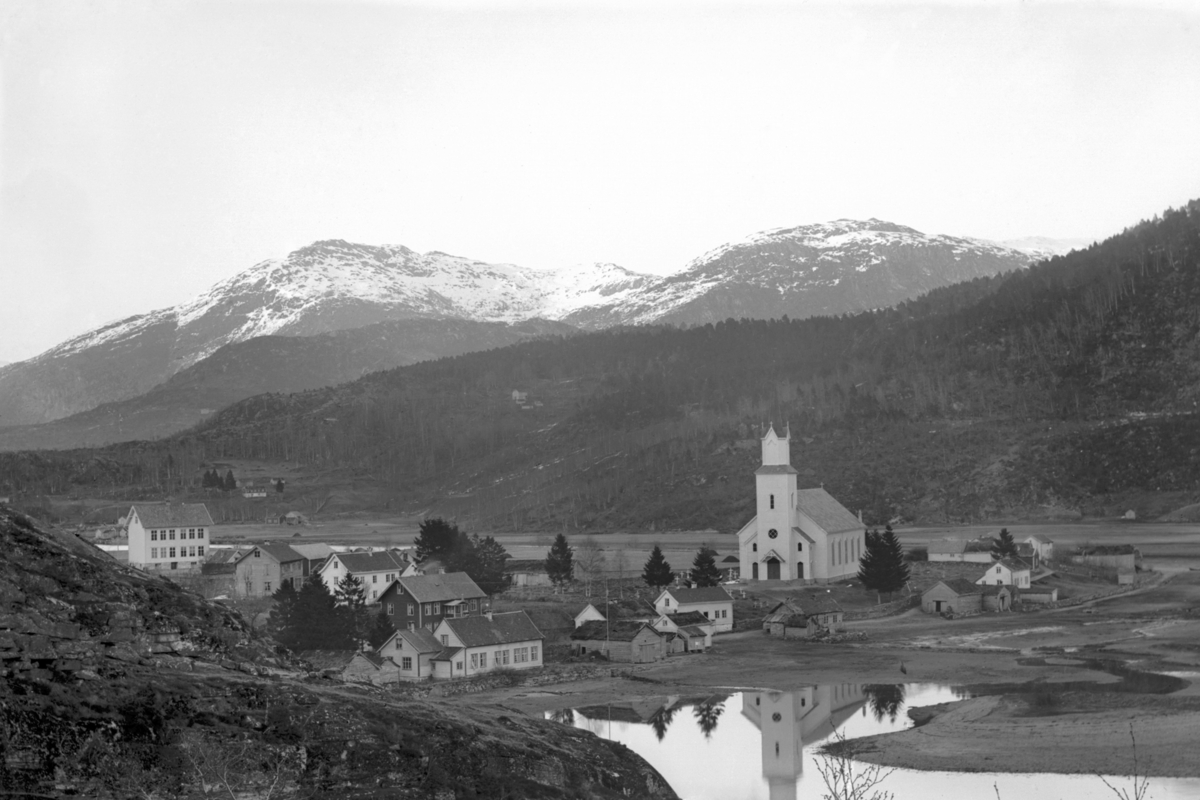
1080,733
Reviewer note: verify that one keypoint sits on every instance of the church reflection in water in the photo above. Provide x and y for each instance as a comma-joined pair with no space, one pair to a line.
788,721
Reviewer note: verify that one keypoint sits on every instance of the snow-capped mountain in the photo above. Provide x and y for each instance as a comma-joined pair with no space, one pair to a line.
835,267
1045,247
828,268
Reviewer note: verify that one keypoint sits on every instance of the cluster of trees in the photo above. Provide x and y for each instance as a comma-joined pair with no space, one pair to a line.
213,480
883,567
482,558
314,618
657,571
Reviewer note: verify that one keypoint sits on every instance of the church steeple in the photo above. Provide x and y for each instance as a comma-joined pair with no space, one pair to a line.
776,450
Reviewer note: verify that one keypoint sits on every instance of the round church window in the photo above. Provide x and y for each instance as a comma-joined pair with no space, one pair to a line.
772,533
776,716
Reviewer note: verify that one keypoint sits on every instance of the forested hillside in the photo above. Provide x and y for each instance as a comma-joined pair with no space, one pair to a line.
1071,385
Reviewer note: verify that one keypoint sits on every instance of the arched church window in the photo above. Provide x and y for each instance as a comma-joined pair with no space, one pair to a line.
772,501
799,547
772,533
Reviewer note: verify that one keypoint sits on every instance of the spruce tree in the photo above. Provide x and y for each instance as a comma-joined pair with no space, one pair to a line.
351,599
280,623
439,539
896,569
657,571
487,568
870,565
704,569
381,630
560,564
316,621
230,482
1005,546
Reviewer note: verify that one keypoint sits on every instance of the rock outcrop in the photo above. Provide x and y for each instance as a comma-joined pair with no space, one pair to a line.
121,684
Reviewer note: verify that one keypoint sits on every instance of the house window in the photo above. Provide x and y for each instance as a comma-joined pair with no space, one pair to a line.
257,554
391,609
154,536
997,570
412,609
266,586
374,594
772,501
174,565
533,656
199,533
374,579
437,608
504,657
458,664
445,640
428,610
154,552
474,661
483,660
705,613
406,663
200,551
172,556
474,607
172,532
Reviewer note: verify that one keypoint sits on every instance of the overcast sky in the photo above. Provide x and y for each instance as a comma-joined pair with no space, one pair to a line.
150,149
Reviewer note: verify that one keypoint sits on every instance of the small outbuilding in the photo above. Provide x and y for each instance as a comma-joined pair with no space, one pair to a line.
370,667
619,640
997,598
805,617
952,596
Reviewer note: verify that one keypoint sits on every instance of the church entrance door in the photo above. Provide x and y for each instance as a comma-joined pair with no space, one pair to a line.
773,570
799,569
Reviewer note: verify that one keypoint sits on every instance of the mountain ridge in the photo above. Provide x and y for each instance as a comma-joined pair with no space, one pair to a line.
821,269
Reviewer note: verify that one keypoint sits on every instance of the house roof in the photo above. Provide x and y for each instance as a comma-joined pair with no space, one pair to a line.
690,618
224,555
615,631
960,586
693,630
166,515
372,658
810,605
948,546
441,587
421,640
1015,564
1037,537
525,565
708,594
513,626
280,552
823,509
314,550
447,653
730,560
380,561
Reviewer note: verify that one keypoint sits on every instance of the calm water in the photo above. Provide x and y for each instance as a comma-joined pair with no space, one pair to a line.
762,745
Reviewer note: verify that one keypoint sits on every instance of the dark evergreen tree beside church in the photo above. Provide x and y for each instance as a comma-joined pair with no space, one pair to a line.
657,571
704,569
883,567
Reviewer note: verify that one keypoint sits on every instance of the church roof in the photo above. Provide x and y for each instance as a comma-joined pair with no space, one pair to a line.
823,509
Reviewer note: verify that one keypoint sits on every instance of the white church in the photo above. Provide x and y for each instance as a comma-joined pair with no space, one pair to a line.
800,534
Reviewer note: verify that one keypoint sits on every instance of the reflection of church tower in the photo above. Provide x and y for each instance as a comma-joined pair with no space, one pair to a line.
790,720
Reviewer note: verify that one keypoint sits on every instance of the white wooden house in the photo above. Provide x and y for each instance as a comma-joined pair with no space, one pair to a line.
1007,572
375,571
713,602
478,645
168,536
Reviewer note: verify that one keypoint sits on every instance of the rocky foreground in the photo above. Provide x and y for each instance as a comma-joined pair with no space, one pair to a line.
117,684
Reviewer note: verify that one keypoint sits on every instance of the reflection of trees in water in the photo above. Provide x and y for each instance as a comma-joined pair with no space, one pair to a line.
885,699
563,715
661,720
707,714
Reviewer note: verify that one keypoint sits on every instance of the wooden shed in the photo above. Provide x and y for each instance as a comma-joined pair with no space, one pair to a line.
954,596
998,598
804,616
619,640
370,667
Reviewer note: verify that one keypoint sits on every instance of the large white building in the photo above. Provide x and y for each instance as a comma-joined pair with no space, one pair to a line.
798,534
168,536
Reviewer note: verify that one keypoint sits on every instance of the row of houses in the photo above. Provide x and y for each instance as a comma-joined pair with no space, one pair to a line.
683,621
1035,549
